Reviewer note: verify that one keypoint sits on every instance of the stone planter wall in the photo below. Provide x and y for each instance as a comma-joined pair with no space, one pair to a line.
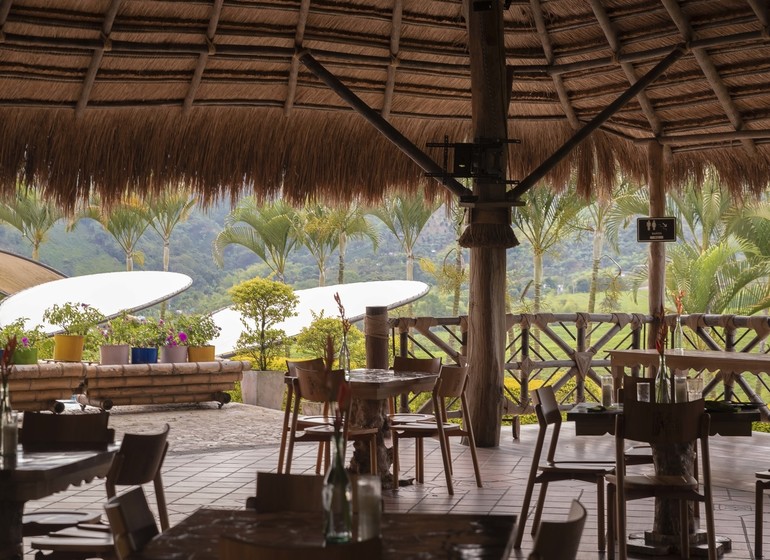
263,388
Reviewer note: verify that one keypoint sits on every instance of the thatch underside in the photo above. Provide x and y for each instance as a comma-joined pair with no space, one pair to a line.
135,96
19,273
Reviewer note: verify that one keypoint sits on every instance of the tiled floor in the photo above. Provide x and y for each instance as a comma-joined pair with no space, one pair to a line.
225,477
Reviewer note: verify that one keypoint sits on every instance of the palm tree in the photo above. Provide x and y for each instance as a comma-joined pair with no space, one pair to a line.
544,221
32,216
267,230
166,212
126,222
405,217
351,223
453,273
316,230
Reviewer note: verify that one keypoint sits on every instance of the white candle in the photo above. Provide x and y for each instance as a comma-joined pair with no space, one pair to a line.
607,395
10,438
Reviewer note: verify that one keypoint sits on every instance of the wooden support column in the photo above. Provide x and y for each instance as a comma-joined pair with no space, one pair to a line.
376,337
657,277
488,233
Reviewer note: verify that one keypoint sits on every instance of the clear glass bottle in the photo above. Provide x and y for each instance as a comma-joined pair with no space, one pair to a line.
5,415
344,357
677,336
662,387
338,497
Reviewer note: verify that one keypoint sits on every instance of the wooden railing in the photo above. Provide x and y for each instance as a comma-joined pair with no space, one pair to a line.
567,350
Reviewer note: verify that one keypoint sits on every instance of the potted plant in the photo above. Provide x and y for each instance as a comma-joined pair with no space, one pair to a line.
147,335
75,320
263,304
116,340
201,330
174,348
26,351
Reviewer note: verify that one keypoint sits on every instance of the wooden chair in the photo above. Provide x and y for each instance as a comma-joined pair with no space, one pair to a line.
287,492
559,540
313,386
132,522
593,472
303,421
232,548
661,424
138,461
423,365
44,431
762,484
636,454
451,384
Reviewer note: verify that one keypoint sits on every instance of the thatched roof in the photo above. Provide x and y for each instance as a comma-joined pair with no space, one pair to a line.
135,94
18,273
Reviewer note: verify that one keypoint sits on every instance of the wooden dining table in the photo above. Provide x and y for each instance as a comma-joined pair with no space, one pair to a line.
735,421
371,389
37,474
405,536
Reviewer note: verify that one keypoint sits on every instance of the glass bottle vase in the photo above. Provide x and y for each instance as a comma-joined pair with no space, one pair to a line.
662,388
344,357
338,497
6,417
677,336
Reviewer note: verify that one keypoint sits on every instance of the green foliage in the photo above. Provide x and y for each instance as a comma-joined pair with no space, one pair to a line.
311,341
148,333
73,318
263,304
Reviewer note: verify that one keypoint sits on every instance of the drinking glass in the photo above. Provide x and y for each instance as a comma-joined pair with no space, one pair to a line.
643,392
607,399
369,502
694,388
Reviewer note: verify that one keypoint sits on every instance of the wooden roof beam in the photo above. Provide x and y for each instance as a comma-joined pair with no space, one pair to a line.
96,58
760,8
395,40
389,131
682,22
628,68
561,91
203,57
530,180
299,37
5,8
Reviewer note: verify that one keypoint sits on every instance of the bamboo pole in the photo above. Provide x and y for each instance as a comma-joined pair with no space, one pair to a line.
657,276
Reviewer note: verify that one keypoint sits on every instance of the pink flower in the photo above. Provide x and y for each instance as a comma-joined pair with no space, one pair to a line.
25,342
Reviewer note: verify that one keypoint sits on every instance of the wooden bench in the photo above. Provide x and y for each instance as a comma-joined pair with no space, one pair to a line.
184,382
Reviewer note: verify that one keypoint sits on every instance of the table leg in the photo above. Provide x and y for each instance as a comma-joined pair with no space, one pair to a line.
11,514
371,414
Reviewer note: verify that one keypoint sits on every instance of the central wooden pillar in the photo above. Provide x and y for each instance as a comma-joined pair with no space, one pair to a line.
488,233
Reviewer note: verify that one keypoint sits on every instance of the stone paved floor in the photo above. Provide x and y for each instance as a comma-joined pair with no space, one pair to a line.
214,455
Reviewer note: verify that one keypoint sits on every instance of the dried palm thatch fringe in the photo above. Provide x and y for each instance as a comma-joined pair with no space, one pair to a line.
488,235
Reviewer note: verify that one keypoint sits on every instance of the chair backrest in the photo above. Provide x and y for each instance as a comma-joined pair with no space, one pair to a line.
139,459
451,381
288,492
559,540
661,424
44,430
232,548
424,365
316,386
548,414
316,364
131,522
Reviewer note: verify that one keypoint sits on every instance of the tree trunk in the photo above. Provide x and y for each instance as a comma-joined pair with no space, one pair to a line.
343,247
596,257
456,289
129,262
538,272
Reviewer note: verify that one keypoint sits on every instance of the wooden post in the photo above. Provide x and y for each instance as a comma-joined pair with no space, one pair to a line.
657,277
486,309
376,337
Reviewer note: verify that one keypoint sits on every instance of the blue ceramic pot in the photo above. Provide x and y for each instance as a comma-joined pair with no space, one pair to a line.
144,355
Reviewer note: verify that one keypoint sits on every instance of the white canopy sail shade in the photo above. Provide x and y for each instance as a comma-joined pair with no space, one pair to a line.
109,292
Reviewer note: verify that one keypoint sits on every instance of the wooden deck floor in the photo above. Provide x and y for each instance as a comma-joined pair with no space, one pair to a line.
225,477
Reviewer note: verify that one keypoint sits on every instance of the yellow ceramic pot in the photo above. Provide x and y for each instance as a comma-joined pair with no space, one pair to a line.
68,347
200,354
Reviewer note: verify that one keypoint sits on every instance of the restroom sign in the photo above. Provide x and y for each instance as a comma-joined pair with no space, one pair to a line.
655,229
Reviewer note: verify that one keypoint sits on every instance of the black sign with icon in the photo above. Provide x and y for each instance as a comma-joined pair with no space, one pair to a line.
655,229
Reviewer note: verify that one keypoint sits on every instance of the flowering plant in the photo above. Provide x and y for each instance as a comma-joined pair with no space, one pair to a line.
660,339
73,318
176,338
345,321
25,337
678,301
6,360
148,333
199,329
118,330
